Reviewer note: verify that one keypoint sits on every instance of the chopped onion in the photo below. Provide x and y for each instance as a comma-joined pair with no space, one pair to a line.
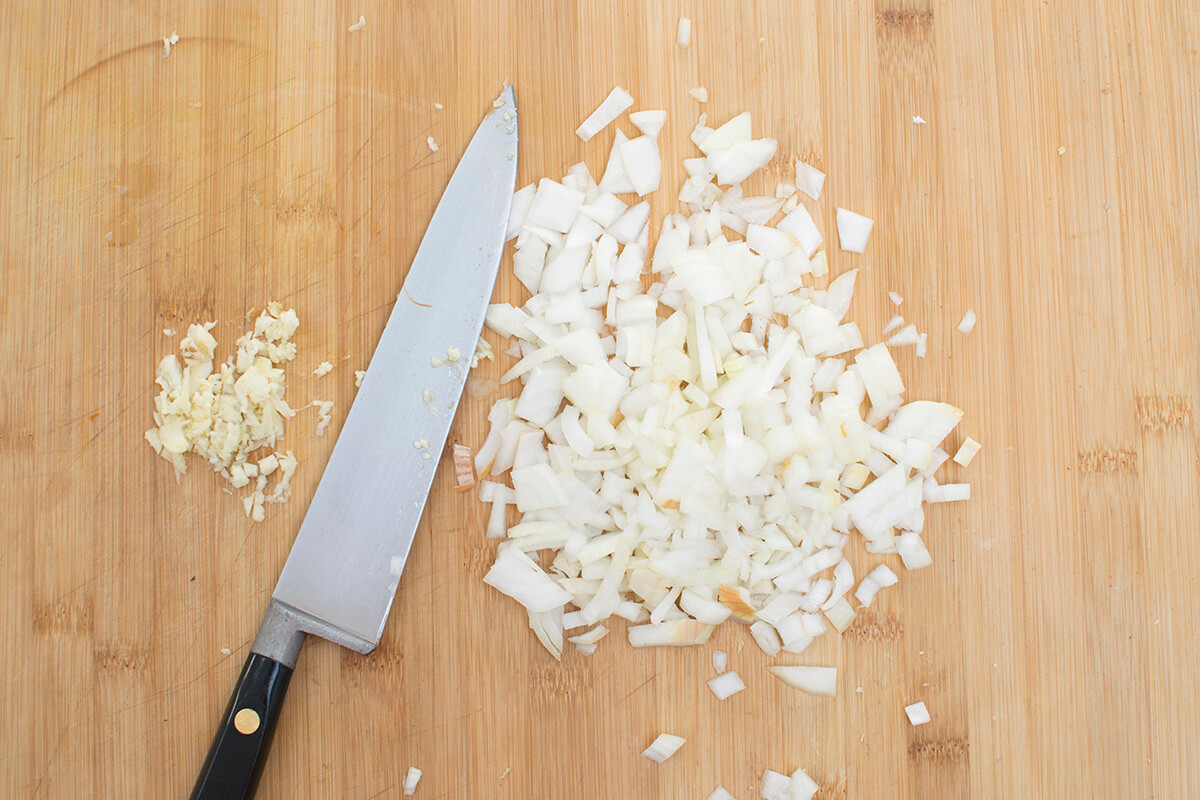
967,323
696,430
699,94
813,680
966,451
411,779
704,609
663,747
649,122
912,550
720,659
946,492
642,164
799,223
905,336
840,615
766,637
617,101
683,34
464,468
917,713
776,786
726,684
615,180
853,230
554,206
674,633
803,787
895,298
843,579
519,577
589,637
875,580
809,179
720,793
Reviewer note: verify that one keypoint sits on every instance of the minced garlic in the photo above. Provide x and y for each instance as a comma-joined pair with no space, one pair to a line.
225,413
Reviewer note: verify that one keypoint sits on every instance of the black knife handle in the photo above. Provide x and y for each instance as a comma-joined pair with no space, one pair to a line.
239,750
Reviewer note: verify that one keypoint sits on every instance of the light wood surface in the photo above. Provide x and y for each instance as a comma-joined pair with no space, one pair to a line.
274,155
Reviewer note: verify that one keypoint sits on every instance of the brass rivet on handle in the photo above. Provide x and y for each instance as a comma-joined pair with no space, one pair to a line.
246,721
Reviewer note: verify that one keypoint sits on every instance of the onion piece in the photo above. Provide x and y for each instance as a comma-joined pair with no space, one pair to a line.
719,660
720,793
699,94
946,492
590,636
917,713
609,109
853,230
905,336
742,160
799,223
704,609
766,637
843,580
411,779
912,550
840,615
775,786
813,680
554,206
967,323
521,203
737,600
673,633
615,180
519,577
663,747
966,451
726,684
642,164
809,179
875,580
464,468
683,33
649,122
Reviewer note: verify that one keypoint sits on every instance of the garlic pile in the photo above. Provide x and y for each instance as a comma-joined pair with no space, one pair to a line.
225,415
703,446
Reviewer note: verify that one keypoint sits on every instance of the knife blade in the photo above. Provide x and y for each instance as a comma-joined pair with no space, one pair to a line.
341,575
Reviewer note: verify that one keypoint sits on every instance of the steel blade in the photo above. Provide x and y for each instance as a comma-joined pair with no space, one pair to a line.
345,564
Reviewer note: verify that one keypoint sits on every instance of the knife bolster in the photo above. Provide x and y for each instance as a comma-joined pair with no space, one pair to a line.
282,632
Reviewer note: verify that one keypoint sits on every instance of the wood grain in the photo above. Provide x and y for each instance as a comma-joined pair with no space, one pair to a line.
274,155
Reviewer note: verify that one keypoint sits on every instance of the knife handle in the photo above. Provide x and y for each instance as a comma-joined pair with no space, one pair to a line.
239,750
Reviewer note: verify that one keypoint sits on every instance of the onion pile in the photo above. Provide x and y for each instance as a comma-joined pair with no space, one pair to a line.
699,429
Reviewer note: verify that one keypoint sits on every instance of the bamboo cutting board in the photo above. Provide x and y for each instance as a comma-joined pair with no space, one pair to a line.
275,155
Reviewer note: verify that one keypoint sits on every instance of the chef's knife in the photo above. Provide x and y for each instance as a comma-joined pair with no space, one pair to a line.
341,575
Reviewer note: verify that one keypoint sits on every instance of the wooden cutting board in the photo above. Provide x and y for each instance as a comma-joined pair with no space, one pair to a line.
275,155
